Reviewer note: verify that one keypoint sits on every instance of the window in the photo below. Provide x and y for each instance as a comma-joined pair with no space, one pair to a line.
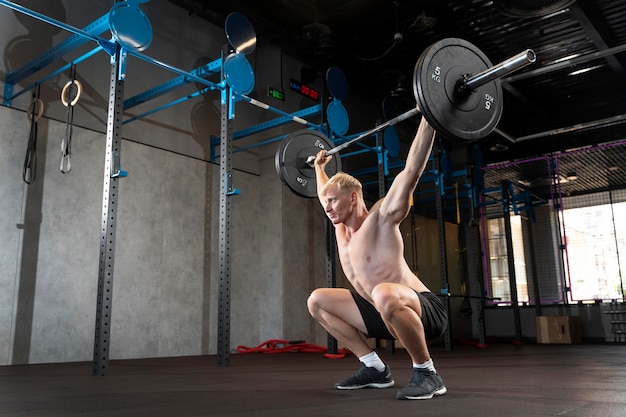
498,266
595,236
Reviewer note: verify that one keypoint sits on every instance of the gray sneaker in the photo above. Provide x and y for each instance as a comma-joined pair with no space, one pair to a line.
424,385
366,377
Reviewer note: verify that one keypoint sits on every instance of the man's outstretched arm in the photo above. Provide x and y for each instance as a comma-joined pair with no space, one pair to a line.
397,202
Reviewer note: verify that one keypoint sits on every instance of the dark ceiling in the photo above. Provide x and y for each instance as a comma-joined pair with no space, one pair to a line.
573,96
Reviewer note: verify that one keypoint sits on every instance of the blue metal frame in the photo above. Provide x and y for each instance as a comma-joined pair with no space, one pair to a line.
91,33
8,100
170,104
81,37
211,68
101,25
313,110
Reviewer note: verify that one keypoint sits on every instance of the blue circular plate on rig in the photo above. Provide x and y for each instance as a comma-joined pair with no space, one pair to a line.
238,73
130,26
391,141
240,33
337,116
337,83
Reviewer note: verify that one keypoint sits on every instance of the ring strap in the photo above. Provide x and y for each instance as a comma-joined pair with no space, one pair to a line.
29,171
66,143
69,102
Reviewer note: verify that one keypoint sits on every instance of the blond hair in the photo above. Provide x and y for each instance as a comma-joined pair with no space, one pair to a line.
345,183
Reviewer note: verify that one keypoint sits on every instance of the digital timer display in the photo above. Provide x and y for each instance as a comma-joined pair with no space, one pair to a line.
304,89
276,93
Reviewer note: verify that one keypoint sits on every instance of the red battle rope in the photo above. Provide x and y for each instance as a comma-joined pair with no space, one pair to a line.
280,346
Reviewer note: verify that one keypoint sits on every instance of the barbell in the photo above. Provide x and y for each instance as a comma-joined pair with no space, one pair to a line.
457,90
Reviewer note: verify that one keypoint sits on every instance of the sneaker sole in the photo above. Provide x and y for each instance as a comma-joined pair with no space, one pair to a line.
370,385
437,392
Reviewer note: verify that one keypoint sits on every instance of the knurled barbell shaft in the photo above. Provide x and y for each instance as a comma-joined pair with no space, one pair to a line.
397,119
465,85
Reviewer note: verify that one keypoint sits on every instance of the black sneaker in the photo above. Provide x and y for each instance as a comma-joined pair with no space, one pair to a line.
367,377
424,385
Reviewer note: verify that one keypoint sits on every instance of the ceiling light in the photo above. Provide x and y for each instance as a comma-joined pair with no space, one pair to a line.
530,8
424,22
584,70
498,147
571,176
566,58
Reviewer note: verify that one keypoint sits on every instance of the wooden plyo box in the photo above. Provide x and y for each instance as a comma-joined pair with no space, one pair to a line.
559,329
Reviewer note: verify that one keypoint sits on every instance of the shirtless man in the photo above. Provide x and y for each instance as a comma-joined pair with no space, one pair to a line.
388,300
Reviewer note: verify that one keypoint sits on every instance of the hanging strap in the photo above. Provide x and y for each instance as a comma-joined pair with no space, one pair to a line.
35,110
69,100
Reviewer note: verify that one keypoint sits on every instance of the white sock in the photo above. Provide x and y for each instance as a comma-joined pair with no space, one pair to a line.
426,365
372,360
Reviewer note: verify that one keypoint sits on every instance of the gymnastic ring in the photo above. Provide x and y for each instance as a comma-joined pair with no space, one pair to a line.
29,113
65,89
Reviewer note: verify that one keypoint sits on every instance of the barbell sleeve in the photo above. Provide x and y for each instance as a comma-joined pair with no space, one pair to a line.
512,64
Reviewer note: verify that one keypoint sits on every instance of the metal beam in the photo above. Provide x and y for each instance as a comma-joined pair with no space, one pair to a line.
591,30
211,68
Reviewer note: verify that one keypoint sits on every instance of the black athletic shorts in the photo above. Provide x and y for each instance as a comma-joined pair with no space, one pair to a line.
434,316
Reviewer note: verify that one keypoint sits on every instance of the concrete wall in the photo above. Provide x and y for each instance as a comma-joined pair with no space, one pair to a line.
165,295
50,249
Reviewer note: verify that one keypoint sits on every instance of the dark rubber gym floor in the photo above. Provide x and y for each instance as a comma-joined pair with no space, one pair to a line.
584,380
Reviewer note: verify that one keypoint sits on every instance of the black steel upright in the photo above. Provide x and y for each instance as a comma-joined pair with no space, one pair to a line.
110,192
390,344
474,250
331,240
506,203
331,274
441,228
226,192
533,265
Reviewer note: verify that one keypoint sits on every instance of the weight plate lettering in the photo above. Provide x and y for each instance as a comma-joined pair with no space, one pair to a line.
462,116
